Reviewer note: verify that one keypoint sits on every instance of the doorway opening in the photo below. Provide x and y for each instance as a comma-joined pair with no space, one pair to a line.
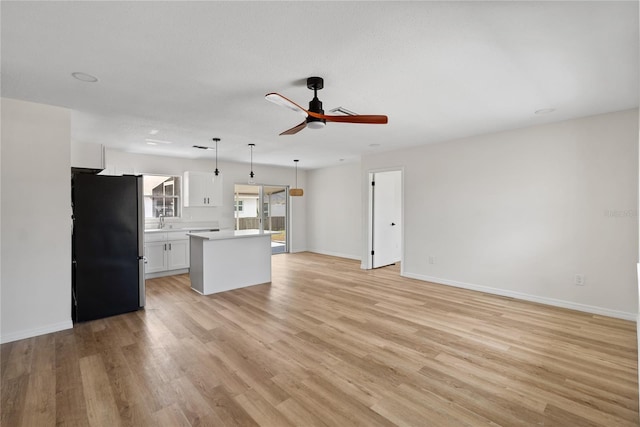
264,208
385,218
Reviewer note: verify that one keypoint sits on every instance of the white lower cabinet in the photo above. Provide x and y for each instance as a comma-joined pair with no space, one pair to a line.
164,253
156,259
177,254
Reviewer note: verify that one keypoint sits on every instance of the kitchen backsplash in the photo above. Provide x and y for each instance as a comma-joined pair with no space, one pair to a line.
181,223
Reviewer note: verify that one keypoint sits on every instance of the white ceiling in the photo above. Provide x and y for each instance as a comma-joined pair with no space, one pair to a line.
198,70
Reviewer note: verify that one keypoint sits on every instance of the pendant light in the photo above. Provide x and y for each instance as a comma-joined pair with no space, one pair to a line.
216,172
294,192
251,174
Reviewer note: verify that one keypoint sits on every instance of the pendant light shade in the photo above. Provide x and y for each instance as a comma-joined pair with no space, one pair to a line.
251,174
216,172
296,192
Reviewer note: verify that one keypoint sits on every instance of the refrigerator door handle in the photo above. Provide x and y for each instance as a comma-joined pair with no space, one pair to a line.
141,283
142,260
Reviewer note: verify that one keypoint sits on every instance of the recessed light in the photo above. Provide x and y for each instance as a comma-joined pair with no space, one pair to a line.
158,141
374,145
544,111
153,132
151,143
341,160
84,77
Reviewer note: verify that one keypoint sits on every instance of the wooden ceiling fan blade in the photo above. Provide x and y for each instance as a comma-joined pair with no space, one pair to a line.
283,101
295,129
373,119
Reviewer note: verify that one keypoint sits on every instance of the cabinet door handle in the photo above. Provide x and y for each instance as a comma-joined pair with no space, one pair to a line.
165,246
204,200
169,246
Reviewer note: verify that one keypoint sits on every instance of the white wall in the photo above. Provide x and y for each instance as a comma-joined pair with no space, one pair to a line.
520,213
119,162
36,219
334,210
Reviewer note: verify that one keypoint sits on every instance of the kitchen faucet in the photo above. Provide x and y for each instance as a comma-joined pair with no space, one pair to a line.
161,225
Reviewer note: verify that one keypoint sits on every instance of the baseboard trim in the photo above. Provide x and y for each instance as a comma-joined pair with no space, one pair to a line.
165,273
526,297
335,254
20,335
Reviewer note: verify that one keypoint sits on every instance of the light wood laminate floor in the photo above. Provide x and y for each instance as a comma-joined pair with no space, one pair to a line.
327,344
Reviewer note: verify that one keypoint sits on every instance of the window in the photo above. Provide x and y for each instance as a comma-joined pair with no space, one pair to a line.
239,206
161,196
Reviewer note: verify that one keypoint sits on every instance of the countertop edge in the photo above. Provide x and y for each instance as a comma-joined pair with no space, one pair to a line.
186,230
221,235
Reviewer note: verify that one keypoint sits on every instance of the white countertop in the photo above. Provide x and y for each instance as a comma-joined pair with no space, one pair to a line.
168,230
230,234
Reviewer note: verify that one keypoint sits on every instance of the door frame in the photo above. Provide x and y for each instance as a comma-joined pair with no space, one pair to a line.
287,220
366,263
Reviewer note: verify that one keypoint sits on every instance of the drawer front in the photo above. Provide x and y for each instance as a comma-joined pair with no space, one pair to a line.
177,235
155,237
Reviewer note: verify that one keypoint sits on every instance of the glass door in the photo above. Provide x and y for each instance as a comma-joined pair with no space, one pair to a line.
264,208
274,216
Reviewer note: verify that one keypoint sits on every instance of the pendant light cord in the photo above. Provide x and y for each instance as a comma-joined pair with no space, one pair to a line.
251,147
216,172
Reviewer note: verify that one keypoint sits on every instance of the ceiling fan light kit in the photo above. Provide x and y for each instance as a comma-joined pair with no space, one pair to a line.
316,123
296,192
314,116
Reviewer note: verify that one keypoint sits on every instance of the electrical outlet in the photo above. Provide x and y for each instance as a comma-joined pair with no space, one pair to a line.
432,259
579,279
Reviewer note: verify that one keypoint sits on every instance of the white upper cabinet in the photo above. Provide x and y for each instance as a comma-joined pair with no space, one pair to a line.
87,156
202,189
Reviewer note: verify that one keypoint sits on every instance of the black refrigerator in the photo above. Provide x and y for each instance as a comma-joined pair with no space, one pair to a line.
107,245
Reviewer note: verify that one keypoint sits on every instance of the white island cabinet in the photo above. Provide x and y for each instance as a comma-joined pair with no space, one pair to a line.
225,260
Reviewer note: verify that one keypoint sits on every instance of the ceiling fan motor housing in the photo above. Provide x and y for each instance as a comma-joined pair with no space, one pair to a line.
315,105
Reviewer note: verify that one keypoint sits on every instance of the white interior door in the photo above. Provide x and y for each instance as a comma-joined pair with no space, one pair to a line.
387,212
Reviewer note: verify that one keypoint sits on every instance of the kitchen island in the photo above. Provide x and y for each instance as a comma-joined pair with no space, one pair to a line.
225,260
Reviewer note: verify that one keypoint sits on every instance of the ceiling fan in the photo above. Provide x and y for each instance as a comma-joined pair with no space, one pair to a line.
314,116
